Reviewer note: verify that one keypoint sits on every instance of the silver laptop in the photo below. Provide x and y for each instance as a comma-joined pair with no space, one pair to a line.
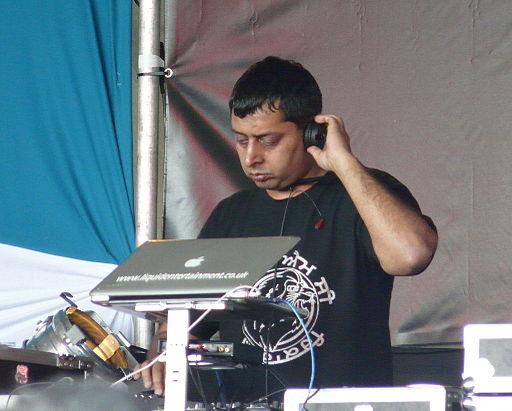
170,270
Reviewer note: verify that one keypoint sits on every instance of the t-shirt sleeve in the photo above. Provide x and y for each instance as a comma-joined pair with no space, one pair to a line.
205,329
208,229
215,226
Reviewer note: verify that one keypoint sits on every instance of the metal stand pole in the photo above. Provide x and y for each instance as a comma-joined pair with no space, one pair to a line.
147,140
176,360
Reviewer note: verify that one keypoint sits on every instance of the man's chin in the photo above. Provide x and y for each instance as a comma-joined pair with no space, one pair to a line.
266,185
271,183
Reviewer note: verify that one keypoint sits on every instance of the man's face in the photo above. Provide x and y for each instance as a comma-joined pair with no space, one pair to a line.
271,150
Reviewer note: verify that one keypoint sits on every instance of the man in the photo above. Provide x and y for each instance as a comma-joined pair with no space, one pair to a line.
359,227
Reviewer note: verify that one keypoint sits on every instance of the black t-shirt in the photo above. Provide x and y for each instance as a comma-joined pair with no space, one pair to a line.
333,273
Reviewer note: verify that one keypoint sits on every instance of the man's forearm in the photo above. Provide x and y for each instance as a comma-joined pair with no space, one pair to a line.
403,241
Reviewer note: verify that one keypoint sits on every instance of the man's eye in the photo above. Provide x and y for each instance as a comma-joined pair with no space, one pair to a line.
269,141
241,141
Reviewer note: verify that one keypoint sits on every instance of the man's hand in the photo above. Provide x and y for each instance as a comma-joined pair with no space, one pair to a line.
152,377
337,143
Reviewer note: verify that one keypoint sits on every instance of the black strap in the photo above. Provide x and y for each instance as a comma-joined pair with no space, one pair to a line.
302,181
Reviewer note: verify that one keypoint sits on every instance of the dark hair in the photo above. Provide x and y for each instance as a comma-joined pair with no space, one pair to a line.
281,84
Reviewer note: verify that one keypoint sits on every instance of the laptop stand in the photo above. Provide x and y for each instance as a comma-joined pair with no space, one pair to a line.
178,322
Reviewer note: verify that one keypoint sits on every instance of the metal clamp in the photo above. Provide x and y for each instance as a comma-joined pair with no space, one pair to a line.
167,73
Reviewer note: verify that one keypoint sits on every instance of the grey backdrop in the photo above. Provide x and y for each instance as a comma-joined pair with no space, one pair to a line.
425,89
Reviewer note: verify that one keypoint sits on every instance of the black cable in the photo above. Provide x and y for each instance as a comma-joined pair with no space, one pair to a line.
274,284
26,387
309,397
281,231
266,349
307,180
312,201
279,378
198,385
219,395
267,396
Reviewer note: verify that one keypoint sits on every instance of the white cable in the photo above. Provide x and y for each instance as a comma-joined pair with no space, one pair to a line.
149,365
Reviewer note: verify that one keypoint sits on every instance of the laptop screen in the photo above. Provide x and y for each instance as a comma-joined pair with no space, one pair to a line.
177,269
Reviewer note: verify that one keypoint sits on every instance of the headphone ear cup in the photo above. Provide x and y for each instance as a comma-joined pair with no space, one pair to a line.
96,336
314,134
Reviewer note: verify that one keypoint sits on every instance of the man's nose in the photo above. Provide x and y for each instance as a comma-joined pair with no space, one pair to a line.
253,153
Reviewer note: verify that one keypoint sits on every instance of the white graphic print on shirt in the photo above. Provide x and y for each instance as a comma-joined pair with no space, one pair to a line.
285,340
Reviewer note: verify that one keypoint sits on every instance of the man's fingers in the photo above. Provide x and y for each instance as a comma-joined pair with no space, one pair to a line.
314,151
145,374
136,368
158,378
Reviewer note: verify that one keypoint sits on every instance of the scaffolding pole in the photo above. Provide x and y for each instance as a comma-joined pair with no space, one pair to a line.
146,184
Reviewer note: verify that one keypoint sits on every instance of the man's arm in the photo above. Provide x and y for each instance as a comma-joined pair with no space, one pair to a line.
403,241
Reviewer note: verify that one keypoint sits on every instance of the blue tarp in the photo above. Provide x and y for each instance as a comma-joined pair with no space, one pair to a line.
66,201
65,128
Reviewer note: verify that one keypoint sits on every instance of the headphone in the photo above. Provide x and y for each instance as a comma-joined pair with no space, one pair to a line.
103,344
314,134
